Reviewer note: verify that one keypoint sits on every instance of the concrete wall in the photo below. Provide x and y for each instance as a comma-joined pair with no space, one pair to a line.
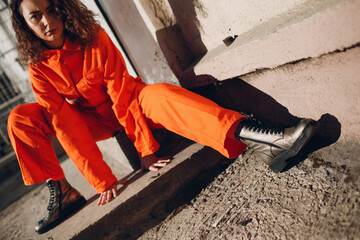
267,33
217,20
330,29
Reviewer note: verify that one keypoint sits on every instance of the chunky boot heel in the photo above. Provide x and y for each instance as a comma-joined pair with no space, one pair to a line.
280,162
276,146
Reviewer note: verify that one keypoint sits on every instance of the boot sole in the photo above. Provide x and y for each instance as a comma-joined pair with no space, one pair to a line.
280,162
63,215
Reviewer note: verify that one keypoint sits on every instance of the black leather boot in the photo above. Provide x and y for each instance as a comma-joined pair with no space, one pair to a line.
276,146
64,200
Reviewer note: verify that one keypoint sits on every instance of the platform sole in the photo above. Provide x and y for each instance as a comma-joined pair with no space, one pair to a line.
63,215
280,161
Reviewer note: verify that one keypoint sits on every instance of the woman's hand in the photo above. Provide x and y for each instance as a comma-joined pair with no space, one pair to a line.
154,163
106,195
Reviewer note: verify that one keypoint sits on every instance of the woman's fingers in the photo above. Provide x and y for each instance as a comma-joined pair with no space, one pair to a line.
99,201
111,192
153,163
164,161
153,168
102,198
106,196
159,164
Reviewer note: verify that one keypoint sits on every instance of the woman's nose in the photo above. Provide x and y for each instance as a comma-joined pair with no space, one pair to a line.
47,20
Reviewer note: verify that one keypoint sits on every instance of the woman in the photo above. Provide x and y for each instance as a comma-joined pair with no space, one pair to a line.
85,94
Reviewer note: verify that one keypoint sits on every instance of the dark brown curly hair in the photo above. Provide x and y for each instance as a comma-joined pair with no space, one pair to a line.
79,24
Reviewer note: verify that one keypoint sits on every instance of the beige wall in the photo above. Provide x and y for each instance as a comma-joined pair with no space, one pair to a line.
217,20
269,33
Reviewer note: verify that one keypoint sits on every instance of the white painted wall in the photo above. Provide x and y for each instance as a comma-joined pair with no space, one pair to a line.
220,19
235,17
90,4
332,29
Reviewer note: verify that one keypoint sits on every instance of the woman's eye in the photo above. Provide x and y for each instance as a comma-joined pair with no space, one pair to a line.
34,16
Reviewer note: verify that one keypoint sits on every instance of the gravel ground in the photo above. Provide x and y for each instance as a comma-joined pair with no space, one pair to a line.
314,200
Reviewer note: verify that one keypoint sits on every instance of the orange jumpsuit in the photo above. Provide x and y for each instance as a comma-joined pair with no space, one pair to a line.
84,97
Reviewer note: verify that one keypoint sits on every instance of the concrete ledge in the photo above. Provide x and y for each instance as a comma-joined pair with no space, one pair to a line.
324,32
146,197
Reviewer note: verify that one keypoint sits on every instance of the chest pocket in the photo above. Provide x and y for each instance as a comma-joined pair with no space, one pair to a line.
65,88
92,87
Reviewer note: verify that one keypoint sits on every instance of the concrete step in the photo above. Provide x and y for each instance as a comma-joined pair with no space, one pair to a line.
143,202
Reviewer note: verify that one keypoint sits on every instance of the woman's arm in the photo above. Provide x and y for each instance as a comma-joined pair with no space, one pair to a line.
72,132
123,90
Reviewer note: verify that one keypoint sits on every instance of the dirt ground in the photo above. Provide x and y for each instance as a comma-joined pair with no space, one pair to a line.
314,200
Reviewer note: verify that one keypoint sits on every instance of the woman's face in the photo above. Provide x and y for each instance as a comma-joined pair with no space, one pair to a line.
42,19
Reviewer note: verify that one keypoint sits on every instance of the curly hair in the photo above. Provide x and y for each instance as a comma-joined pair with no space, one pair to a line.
79,24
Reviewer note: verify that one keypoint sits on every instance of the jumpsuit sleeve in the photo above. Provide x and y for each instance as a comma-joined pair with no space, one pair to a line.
72,132
123,90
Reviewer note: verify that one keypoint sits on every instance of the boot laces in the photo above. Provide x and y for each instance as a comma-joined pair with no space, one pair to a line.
52,196
260,128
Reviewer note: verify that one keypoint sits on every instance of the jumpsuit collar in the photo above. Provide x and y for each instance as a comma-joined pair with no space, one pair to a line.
55,62
69,45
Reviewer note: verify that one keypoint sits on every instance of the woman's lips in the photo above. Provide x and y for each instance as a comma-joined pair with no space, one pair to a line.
52,32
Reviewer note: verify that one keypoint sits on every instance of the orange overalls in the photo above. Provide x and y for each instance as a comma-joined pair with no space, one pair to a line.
84,97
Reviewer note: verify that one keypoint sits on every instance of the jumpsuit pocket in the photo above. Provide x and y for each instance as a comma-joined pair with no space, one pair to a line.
92,87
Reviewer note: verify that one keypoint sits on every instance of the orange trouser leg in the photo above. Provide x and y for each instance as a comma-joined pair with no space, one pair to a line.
191,116
29,133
